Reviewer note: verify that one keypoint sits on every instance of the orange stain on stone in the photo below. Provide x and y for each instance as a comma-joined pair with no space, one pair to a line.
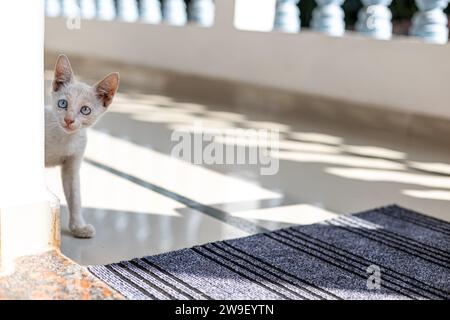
53,276
106,292
85,284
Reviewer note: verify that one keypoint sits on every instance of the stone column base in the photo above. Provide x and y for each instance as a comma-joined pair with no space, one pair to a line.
28,230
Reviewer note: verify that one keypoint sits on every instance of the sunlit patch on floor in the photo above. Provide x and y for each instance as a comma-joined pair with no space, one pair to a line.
377,152
294,214
337,159
428,194
103,190
431,167
195,182
316,137
391,176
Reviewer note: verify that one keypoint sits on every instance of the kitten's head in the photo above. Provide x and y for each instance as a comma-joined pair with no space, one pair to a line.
77,105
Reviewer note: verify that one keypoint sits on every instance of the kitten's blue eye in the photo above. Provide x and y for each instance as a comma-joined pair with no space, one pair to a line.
86,110
62,103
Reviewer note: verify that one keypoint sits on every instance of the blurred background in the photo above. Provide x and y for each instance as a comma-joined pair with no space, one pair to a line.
402,13
358,91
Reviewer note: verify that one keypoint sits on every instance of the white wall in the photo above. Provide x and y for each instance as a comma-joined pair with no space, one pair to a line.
403,74
27,223
22,102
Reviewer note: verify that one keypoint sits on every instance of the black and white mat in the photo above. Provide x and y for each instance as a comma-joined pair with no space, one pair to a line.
386,253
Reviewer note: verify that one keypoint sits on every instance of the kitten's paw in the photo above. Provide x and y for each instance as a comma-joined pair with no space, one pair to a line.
84,231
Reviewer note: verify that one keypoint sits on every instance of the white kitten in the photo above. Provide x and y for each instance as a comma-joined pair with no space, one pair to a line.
75,107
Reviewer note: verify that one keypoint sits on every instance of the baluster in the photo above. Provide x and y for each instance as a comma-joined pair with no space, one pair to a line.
174,12
128,10
53,8
430,22
287,16
374,19
151,11
106,10
88,9
70,8
328,17
202,12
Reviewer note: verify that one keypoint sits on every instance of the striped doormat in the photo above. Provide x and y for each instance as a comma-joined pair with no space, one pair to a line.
386,253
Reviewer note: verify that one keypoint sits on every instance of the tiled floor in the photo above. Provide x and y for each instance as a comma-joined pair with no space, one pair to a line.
142,201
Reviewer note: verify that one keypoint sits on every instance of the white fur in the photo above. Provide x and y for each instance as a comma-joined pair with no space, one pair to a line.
65,144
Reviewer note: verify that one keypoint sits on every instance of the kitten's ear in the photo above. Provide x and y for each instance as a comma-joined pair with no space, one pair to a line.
107,88
63,73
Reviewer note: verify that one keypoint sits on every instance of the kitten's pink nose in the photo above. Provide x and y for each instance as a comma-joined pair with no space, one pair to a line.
68,121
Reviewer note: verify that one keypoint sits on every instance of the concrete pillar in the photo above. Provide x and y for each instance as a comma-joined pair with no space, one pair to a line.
28,225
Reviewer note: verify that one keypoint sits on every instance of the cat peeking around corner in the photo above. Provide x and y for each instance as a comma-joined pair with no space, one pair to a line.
75,107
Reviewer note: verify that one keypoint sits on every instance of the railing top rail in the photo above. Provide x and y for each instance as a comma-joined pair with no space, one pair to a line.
374,18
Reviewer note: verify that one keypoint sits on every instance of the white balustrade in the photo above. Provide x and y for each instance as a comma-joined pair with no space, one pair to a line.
430,22
287,16
70,8
328,17
88,9
375,19
128,10
106,10
174,12
151,11
202,12
53,8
